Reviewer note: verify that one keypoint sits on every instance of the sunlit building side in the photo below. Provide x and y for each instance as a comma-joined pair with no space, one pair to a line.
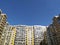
10,33
29,35
3,18
24,35
13,35
7,34
20,35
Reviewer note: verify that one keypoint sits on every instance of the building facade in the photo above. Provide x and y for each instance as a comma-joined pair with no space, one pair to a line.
39,34
2,25
20,35
53,32
13,35
8,35
24,35
29,35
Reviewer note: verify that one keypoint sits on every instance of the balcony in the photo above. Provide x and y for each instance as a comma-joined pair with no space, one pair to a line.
3,22
1,25
4,16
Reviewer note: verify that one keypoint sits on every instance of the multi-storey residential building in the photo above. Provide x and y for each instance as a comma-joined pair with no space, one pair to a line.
4,33
39,34
44,41
25,35
29,35
53,32
2,25
20,35
13,35
8,35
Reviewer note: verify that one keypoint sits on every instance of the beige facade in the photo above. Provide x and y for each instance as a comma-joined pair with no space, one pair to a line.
10,35
24,35
13,34
29,35
2,25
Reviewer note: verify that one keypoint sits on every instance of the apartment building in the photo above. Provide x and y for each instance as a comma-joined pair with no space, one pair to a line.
13,35
29,35
53,32
24,35
39,33
10,35
3,18
20,35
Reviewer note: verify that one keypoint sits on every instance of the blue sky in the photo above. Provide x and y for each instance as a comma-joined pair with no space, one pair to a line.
30,12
